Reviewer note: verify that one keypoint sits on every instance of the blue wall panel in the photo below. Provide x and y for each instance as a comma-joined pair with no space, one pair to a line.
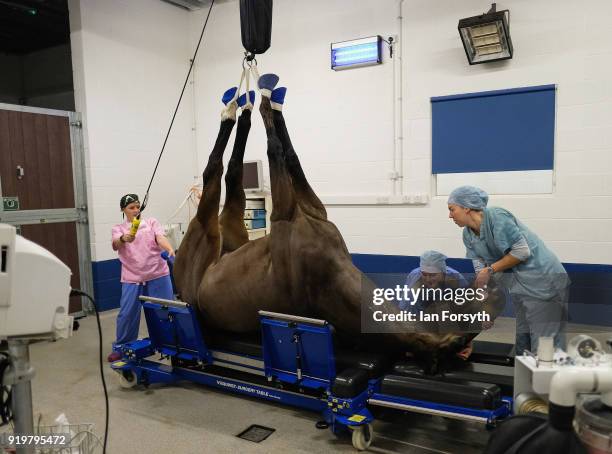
107,285
590,293
501,130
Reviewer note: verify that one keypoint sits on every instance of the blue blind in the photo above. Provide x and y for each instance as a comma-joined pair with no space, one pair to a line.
494,131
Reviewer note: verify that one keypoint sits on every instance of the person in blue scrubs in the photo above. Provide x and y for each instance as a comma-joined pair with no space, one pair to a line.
433,273
502,247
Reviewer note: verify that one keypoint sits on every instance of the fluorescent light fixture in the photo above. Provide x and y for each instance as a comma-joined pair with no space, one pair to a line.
356,53
486,37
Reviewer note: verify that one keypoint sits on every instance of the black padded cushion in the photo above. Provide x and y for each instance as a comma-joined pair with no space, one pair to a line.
460,393
350,382
242,344
374,364
501,376
493,353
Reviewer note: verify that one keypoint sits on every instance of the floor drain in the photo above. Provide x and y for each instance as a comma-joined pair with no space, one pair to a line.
256,433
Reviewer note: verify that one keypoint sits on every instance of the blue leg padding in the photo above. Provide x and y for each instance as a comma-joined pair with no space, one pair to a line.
267,82
278,95
228,95
242,98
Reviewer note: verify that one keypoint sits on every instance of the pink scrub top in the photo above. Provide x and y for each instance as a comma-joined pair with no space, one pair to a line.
141,260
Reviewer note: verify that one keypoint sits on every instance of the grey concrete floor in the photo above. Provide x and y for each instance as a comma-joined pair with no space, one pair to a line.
191,418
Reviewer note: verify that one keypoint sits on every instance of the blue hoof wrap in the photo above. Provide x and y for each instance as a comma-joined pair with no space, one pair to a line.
267,82
228,95
242,100
278,95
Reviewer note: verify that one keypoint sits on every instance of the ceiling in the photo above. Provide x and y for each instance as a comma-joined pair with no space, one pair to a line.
30,25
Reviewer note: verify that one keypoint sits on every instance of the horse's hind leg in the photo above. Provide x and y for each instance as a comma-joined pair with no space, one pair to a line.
283,206
231,220
306,197
283,195
201,245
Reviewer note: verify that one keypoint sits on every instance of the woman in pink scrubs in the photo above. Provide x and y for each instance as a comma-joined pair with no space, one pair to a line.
143,271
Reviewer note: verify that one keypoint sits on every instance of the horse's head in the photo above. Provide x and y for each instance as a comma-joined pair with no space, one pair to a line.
438,354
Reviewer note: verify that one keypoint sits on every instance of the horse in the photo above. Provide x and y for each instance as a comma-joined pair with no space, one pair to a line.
301,267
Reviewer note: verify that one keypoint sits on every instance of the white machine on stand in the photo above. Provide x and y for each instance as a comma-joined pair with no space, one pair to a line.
534,373
34,295
580,378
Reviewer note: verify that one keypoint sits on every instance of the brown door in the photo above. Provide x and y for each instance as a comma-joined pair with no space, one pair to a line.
36,160
59,238
36,167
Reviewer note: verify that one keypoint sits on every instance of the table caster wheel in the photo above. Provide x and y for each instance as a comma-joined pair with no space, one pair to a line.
362,436
127,379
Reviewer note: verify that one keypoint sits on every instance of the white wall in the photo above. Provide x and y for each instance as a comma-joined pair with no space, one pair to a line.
558,43
342,122
130,59
340,114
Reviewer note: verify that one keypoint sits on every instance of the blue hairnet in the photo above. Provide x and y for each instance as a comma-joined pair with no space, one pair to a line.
433,262
469,197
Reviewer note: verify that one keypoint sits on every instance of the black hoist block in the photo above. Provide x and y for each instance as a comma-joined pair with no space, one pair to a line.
256,25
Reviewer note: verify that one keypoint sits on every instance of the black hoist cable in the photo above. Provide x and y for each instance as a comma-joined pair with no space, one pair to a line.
146,197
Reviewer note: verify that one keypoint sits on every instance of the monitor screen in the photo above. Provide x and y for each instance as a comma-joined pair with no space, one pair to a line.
252,177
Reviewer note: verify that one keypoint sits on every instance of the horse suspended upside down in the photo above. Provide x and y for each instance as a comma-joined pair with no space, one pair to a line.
302,267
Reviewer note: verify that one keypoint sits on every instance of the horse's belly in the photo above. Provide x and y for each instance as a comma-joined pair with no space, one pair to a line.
234,304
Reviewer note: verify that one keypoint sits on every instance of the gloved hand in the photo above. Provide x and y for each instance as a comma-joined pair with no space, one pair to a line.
168,257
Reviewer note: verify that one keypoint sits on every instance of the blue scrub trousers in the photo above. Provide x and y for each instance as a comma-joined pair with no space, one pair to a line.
128,320
536,318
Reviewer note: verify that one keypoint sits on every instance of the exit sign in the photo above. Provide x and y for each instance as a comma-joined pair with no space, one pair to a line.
10,203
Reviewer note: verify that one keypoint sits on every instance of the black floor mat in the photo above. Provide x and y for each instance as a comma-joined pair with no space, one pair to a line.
256,433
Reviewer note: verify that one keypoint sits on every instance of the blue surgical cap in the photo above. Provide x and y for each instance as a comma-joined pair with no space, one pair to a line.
469,197
433,262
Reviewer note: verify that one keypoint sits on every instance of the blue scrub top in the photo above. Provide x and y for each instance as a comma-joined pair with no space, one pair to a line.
540,276
413,278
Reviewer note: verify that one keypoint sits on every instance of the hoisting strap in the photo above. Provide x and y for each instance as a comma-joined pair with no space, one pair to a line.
249,69
146,197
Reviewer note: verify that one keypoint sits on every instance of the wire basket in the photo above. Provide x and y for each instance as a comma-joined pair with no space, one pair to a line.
82,439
